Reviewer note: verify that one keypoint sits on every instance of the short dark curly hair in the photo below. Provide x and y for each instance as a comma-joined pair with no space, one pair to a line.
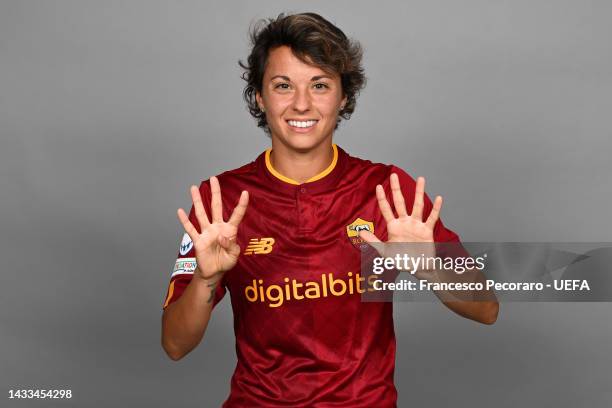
313,40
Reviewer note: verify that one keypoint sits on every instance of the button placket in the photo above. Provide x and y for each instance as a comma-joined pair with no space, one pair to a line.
299,208
305,210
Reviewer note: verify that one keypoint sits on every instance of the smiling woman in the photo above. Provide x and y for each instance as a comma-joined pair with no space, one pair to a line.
301,101
303,76
290,252
315,42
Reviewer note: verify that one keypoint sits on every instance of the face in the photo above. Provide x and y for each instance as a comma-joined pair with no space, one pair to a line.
301,101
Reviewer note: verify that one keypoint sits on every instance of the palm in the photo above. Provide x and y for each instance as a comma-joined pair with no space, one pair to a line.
408,229
405,227
210,255
215,246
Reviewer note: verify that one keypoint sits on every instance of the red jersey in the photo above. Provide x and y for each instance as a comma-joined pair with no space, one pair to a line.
304,338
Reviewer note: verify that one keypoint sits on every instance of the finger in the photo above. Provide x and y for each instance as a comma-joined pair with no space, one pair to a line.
398,197
189,228
417,208
215,202
200,212
223,241
368,237
240,209
434,215
234,248
229,244
373,241
383,204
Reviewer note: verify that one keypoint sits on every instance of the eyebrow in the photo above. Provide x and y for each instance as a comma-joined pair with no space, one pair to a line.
314,78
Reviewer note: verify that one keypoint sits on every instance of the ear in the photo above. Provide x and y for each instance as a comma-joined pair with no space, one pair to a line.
343,102
259,99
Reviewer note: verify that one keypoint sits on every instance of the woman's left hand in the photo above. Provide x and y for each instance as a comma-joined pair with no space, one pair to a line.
405,227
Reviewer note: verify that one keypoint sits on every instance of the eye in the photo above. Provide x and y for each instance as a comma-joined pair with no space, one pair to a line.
321,85
281,86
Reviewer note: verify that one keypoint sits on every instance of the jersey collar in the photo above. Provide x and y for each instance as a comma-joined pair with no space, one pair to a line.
316,177
322,181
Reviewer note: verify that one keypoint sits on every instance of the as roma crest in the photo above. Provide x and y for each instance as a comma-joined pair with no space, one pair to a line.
352,231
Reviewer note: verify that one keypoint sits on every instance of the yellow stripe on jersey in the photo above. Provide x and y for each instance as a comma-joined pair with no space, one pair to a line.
170,293
314,178
329,168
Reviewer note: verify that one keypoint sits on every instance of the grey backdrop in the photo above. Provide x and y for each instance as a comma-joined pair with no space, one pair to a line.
109,110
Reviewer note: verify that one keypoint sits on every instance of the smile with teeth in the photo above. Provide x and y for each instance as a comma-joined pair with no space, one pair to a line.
302,123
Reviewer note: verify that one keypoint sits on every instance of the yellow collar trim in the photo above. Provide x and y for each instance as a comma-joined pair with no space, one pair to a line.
314,178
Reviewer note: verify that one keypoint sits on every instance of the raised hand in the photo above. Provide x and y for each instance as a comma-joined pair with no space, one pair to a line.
405,227
215,246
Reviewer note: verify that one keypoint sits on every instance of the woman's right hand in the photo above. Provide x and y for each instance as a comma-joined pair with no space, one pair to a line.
215,246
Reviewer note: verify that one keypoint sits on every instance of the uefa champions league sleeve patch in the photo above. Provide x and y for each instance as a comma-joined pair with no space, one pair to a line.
186,245
184,266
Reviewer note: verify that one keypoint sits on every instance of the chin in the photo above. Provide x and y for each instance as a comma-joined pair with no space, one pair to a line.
302,141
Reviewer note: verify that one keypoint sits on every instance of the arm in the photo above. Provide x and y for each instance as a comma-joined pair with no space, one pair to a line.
184,321
411,228
216,251
484,310
480,311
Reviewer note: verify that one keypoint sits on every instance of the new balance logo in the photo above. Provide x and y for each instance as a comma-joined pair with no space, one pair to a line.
259,246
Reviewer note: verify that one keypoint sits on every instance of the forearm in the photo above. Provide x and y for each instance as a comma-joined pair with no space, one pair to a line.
480,311
479,305
184,321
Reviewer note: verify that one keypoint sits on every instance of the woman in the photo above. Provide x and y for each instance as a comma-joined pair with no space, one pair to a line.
289,251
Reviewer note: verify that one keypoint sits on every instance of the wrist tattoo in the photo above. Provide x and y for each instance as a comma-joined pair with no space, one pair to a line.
213,286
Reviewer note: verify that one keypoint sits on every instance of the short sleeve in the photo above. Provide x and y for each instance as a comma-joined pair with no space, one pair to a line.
185,264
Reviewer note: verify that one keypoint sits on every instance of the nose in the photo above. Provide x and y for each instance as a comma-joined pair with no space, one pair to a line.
301,101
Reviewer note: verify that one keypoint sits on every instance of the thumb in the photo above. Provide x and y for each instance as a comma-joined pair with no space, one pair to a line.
229,244
368,237
372,240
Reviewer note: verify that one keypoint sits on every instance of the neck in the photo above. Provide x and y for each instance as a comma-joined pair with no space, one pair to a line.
301,166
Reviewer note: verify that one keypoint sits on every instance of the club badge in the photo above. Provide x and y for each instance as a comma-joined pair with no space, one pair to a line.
352,231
